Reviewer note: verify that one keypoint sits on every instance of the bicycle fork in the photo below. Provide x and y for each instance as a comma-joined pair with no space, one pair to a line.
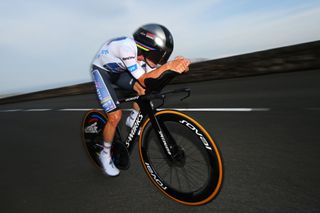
166,140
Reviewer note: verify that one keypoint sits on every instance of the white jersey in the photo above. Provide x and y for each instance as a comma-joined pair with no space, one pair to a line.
120,55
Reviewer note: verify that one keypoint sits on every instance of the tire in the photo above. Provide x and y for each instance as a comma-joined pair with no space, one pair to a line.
199,164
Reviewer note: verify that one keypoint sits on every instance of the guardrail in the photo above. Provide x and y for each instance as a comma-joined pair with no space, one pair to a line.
299,57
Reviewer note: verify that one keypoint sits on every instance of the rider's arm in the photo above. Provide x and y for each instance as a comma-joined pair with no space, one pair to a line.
178,65
127,55
153,74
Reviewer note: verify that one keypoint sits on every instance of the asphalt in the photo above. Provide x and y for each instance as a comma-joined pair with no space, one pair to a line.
271,157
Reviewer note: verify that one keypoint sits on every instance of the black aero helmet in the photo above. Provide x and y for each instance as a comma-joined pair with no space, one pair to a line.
154,42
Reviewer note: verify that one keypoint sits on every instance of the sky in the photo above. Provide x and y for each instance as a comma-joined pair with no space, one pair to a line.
47,44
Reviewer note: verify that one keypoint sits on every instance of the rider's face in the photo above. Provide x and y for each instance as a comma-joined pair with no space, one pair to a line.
148,61
151,63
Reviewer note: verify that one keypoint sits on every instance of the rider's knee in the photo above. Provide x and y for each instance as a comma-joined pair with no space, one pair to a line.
114,117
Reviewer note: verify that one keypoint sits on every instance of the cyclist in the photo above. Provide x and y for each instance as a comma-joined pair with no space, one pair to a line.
127,62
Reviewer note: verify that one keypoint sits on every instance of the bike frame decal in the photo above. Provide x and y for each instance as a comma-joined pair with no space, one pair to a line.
165,144
93,123
201,137
131,99
93,129
134,129
155,176
92,120
98,117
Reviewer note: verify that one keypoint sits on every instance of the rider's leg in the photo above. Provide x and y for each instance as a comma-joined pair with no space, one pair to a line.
110,128
108,136
109,100
135,106
139,89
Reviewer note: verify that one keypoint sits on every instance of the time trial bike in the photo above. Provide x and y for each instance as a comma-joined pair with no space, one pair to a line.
178,155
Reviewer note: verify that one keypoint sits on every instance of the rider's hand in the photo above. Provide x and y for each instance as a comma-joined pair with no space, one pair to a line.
179,64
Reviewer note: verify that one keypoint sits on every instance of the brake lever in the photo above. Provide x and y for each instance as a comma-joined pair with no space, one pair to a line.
188,91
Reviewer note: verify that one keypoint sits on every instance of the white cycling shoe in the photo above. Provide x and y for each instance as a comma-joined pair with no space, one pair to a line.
107,164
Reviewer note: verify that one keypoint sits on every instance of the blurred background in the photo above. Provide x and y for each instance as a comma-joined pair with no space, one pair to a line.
49,44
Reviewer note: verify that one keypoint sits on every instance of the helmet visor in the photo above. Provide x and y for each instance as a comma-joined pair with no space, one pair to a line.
156,56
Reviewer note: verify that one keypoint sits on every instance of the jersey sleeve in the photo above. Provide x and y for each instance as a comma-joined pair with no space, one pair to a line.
129,58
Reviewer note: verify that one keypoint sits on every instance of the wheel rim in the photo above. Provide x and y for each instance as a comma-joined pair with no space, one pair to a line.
197,195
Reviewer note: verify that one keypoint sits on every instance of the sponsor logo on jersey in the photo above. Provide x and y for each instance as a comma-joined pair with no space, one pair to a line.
102,52
128,58
133,68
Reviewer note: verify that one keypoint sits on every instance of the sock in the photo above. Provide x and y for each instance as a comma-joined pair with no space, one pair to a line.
107,147
107,144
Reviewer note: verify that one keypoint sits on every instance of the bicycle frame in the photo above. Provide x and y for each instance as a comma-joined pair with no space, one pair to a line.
147,110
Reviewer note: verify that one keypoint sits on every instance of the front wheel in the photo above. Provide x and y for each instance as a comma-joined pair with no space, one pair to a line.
194,177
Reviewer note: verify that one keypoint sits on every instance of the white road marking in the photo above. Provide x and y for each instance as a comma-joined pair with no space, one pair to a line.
220,109
11,110
178,109
70,110
36,110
